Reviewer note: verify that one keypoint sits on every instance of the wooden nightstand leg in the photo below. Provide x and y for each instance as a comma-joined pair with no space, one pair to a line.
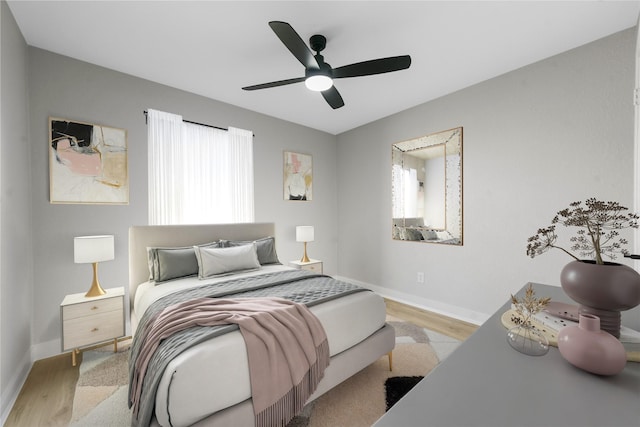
74,352
390,354
115,345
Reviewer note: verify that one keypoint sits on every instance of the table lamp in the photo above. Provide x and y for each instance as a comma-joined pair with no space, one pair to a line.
93,249
304,233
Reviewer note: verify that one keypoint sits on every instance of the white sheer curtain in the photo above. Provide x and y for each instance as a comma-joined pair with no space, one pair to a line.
241,177
398,191
405,191
411,193
164,136
198,174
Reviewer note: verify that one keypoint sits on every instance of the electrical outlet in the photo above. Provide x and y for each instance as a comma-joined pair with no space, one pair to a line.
420,277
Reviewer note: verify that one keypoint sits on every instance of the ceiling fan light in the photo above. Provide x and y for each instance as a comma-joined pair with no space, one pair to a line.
318,83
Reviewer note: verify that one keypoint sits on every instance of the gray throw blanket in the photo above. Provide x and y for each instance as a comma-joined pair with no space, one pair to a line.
300,286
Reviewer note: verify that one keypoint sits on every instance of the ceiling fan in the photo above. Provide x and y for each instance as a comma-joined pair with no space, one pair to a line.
319,75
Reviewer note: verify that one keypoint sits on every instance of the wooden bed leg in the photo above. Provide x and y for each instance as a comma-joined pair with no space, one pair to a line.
390,354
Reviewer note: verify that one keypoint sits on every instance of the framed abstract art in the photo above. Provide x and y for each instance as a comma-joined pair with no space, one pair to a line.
298,176
87,163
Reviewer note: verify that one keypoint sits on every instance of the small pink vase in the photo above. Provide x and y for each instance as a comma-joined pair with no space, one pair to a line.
591,349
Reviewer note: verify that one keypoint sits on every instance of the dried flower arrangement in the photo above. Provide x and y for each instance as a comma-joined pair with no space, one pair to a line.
598,236
528,306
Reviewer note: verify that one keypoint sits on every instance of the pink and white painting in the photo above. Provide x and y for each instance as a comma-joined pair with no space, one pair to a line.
298,176
87,163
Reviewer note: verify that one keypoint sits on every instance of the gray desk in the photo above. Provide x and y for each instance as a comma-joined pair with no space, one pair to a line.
486,383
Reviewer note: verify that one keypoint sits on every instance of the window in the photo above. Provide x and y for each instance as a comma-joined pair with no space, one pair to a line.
198,174
406,188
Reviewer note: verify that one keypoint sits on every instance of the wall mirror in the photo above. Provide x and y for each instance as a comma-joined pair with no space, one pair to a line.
426,188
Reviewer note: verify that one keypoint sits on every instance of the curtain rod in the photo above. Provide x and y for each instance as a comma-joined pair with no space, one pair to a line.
193,123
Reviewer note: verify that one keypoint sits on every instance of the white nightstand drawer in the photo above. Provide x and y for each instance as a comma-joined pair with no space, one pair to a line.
83,331
313,265
91,308
316,266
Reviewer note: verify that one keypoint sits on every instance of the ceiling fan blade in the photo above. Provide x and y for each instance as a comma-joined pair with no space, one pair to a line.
275,84
375,66
294,43
333,98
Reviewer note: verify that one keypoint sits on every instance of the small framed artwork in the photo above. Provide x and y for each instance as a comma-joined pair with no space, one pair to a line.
87,163
298,176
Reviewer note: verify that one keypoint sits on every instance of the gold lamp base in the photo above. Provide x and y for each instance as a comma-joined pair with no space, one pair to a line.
305,258
95,290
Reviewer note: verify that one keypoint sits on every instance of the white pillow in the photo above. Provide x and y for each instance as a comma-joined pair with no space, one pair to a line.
220,261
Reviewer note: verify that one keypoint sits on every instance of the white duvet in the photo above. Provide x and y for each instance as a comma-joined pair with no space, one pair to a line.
214,375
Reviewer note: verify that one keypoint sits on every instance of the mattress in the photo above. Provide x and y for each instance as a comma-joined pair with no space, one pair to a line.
214,375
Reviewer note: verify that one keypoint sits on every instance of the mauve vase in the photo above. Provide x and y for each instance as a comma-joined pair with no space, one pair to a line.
603,290
589,348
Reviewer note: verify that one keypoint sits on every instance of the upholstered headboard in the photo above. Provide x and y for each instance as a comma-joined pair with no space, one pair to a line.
141,237
408,222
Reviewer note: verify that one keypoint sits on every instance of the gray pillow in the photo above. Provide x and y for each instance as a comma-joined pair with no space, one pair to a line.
412,234
172,263
430,235
266,248
221,261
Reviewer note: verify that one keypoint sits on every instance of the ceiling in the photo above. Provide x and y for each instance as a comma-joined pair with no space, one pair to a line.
213,48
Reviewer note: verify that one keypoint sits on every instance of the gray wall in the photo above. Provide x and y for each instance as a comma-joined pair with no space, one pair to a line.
63,87
16,267
535,140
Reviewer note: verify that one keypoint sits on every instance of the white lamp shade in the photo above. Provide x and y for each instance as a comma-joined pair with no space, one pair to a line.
89,249
304,233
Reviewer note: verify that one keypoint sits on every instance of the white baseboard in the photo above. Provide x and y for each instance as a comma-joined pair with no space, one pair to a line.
45,349
438,307
14,386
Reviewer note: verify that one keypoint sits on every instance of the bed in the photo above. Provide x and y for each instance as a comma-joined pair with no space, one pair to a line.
208,384
415,230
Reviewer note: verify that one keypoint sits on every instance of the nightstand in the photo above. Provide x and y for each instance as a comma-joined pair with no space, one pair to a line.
313,265
87,321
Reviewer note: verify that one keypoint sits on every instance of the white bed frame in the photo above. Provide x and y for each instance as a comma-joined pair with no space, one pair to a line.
343,365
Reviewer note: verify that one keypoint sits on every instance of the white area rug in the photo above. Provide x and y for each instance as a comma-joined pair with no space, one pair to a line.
101,392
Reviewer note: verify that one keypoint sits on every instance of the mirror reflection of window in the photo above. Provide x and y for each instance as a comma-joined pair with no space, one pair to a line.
427,188
434,192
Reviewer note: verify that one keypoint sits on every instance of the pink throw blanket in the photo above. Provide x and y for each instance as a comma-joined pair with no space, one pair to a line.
286,344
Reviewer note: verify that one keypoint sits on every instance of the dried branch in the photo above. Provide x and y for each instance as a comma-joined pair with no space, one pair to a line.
599,224
529,305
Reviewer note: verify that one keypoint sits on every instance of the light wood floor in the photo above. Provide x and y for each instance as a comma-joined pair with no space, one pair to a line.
445,325
46,398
